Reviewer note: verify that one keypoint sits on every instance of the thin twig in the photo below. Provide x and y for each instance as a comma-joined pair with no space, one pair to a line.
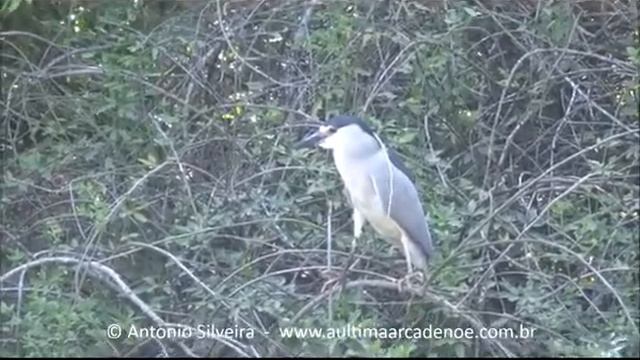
101,272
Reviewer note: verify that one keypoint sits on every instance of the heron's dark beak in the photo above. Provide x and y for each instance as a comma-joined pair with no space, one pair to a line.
310,140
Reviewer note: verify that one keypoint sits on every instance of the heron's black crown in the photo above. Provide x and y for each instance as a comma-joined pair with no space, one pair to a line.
346,120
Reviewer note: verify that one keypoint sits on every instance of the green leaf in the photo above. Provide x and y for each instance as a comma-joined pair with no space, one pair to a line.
407,137
11,6
138,216
472,12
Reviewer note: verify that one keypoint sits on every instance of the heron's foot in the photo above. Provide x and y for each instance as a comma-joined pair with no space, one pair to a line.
330,273
412,281
331,276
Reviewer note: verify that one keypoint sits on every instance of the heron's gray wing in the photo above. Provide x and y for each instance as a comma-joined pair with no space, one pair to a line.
397,161
406,208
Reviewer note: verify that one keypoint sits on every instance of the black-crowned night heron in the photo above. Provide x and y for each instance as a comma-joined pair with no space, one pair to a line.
379,186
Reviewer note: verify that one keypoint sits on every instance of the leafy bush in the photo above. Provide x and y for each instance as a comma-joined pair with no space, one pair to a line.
149,179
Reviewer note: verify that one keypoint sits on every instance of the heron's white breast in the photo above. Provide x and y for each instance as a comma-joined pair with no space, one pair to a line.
359,183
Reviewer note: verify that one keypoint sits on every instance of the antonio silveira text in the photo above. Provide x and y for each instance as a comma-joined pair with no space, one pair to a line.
202,331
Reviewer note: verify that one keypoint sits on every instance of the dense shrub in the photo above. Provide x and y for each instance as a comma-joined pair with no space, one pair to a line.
149,179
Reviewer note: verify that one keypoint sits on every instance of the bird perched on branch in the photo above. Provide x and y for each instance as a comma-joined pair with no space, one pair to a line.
379,186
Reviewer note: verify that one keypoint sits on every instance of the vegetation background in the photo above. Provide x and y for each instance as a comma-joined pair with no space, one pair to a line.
148,176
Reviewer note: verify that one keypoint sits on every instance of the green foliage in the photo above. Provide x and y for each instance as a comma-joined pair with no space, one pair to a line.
12,5
56,324
155,139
